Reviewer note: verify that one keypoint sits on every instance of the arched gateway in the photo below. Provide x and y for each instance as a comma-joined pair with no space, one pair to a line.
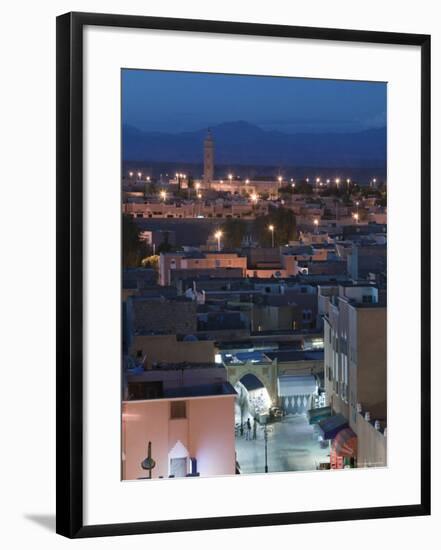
266,373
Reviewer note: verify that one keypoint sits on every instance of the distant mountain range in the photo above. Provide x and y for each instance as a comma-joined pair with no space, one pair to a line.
239,143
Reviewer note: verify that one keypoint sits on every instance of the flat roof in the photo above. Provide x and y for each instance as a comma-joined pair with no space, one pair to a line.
223,388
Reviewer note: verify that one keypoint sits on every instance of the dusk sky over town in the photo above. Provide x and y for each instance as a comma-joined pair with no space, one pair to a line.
181,101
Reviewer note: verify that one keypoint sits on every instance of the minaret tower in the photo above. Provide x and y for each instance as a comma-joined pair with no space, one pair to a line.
208,158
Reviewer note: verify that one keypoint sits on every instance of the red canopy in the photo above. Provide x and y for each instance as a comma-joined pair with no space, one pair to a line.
345,443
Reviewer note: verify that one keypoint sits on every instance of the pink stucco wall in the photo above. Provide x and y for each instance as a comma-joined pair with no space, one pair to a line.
207,433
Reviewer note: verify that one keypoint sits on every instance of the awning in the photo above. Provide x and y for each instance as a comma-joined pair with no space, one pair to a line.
290,385
345,443
315,415
329,427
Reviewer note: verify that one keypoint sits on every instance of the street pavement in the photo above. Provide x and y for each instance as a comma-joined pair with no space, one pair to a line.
292,446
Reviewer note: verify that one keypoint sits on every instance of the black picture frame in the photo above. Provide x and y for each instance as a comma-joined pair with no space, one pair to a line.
69,294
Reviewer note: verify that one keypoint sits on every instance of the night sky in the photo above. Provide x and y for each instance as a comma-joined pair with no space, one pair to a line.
176,102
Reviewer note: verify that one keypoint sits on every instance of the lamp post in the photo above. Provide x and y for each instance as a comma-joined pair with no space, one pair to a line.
218,236
163,194
316,222
271,228
266,430
139,175
356,217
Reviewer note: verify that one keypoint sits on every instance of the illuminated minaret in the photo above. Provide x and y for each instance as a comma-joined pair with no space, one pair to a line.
208,158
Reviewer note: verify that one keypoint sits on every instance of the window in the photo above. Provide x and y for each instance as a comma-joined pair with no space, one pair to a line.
178,409
306,315
368,299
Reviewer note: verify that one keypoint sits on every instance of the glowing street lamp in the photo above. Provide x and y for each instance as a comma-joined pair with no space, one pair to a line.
131,174
218,236
230,177
307,180
199,195
271,228
337,181
139,175
247,181
147,178
280,179
316,222
348,181
198,186
317,180
356,217
254,197
163,194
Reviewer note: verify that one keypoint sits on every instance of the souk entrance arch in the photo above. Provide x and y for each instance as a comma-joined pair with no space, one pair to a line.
266,373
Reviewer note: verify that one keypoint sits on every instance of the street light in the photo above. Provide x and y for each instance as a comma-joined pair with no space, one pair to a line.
337,181
247,181
356,217
131,174
271,228
266,430
254,197
139,175
163,194
316,222
218,236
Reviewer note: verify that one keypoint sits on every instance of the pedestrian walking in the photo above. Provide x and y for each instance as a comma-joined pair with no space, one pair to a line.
255,428
248,434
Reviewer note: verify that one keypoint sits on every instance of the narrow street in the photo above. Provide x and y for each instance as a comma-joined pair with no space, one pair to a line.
292,446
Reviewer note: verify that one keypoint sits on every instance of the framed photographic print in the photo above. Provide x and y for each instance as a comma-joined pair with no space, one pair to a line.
243,255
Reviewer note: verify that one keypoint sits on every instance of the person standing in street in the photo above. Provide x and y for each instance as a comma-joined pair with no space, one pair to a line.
255,428
248,427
